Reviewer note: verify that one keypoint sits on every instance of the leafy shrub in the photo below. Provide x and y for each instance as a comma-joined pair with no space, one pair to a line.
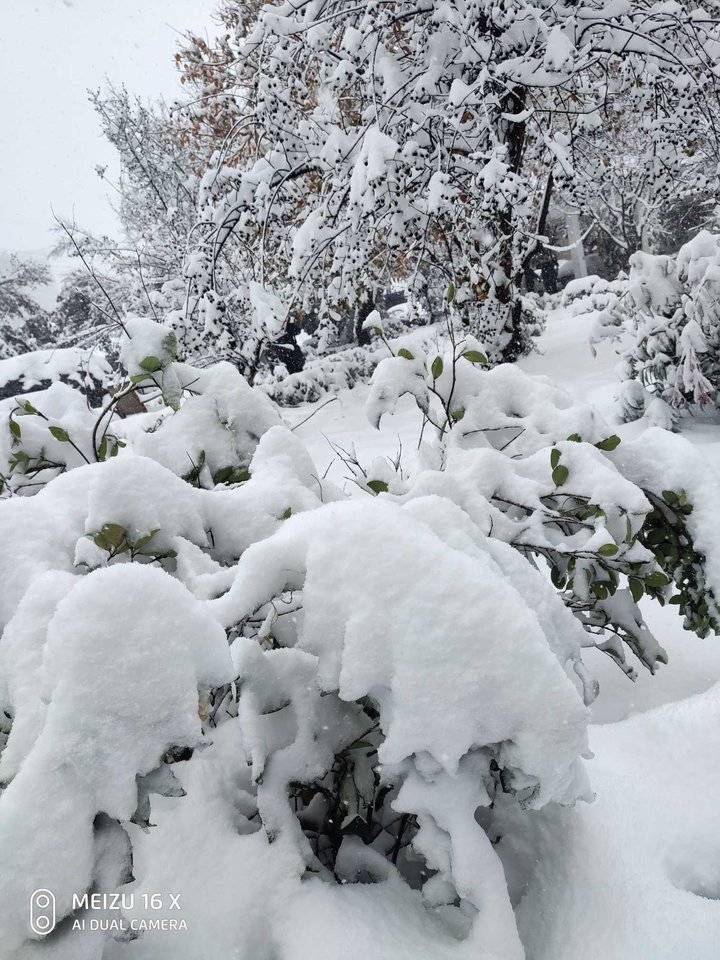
664,318
277,697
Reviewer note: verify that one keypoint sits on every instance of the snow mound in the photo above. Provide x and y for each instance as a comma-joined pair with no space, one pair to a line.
636,873
95,737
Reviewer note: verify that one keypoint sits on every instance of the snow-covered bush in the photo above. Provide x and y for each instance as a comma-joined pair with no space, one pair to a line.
354,773
665,320
277,700
593,297
203,424
546,475
340,369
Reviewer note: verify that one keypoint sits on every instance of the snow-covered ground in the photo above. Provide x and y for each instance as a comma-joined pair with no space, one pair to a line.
637,872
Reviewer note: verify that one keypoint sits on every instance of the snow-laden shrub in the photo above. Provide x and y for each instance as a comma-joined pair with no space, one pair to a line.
44,433
595,298
339,370
666,321
203,424
59,820
297,710
369,679
546,475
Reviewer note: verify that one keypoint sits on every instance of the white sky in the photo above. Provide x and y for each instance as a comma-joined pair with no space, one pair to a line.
51,51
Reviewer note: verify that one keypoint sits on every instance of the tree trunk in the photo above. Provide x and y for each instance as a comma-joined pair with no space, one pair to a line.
572,219
362,312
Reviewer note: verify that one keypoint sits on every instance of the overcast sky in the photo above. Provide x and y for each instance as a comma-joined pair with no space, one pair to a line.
51,51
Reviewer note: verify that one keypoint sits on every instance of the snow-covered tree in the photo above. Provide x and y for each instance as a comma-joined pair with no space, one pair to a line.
209,113
24,324
393,137
141,271
649,154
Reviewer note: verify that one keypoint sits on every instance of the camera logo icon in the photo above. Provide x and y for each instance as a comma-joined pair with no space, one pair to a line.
42,912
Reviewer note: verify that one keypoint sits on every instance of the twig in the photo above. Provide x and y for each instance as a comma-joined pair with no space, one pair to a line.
316,410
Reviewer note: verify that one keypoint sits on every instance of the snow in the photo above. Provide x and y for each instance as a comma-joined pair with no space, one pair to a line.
636,872
632,872
219,427
330,678
37,368
75,769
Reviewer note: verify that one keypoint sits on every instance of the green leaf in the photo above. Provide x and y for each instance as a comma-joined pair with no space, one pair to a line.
474,356
636,588
575,438
114,533
378,486
670,497
151,364
656,580
450,292
139,378
145,540
102,449
14,428
111,537
222,475
554,457
402,352
27,406
628,530
608,550
165,555
609,443
170,345
457,415
286,514
437,368
60,434
560,475
230,474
